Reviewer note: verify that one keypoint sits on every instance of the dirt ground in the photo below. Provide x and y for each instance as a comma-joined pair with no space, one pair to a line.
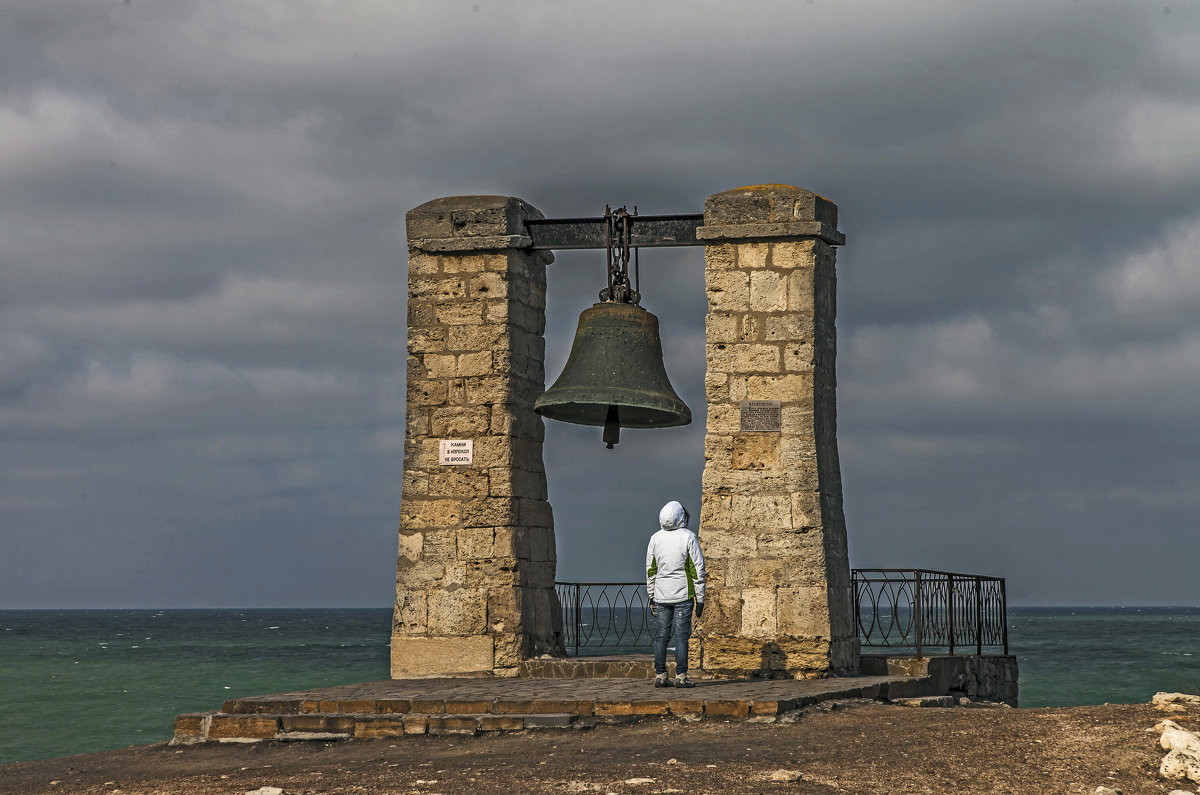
849,747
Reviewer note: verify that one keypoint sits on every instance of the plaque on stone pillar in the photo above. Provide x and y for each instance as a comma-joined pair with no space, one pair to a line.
760,416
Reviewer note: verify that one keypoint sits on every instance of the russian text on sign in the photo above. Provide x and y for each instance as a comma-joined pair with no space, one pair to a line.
456,452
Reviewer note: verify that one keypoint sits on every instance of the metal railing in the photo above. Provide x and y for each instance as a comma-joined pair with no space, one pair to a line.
894,608
919,609
603,617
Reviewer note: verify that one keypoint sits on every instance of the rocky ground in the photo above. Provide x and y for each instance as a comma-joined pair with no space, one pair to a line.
848,747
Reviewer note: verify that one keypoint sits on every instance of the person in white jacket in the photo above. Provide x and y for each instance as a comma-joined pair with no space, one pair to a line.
674,582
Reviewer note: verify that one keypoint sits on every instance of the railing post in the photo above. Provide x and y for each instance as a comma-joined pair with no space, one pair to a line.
578,625
917,611
978,616
1004,615
950,609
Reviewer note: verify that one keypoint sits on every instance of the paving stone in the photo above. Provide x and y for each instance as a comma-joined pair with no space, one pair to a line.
453,724
560,721
501,722
260,727
317,723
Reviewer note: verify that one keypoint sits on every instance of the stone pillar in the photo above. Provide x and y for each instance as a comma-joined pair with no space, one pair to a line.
772,527
475,575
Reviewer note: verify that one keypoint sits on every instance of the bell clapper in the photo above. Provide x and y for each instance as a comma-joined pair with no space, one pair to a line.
612,428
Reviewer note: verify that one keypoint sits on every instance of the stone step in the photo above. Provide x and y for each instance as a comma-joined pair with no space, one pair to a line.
394,708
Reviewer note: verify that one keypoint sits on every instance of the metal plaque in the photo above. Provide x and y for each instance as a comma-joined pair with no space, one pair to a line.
761,416
456,452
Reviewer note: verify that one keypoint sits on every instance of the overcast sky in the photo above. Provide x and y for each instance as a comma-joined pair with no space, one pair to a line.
203,275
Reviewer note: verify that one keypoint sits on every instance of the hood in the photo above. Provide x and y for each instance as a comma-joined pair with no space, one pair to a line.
672,516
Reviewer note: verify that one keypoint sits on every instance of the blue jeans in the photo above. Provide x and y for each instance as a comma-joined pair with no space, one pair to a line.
677,617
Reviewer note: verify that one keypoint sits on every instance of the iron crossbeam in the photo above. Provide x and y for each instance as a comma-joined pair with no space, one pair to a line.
645,231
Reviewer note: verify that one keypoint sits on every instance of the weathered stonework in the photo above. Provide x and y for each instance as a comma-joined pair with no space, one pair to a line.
475,574
772,527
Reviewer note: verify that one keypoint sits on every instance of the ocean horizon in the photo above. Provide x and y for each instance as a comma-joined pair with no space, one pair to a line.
82,680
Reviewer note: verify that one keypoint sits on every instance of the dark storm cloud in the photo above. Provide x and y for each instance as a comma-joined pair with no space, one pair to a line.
202,314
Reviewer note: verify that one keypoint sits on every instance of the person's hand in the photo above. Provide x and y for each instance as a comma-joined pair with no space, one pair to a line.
653,609
699,608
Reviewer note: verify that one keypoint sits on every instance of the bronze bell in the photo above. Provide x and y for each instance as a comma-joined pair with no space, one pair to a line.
615,375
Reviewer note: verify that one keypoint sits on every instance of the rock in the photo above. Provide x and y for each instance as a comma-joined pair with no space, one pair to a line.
785,775
1174,702
636,781
265,791
1103,790
925,701
672,761
1180,765
1176,739
1164,724
1181,792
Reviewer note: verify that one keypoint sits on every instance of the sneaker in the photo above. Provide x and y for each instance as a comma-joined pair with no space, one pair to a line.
683,680
662,680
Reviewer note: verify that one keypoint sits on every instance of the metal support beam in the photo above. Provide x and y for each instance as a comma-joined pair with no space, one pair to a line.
645,231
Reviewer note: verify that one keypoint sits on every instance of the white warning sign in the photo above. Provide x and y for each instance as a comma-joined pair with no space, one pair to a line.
456,452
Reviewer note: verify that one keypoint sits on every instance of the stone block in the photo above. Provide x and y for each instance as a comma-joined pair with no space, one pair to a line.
458,482
513,706
458,611
420,514
791,388
411,545
491,284
728,291
489,512
428,706
390,706
259,727
755,451
318,723
804,611
726,708
491,723
416,724
758,613
806,509
476,542
762,512
801,291
798,357
789,254
409,614
751,326
459,421
612,708
686,706
743,357
721,256
426,340
423,656
560,721
716,510
453,724
723,327
474,364
463,313
383,727
768,290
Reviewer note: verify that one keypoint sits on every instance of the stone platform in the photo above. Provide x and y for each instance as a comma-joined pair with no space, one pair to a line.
398,707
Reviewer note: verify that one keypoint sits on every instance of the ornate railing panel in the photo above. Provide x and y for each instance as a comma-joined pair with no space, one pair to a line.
604,617
920,608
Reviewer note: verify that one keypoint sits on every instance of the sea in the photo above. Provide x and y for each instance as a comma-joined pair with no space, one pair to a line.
75,681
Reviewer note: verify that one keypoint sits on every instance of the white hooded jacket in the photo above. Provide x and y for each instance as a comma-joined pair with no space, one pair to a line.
674,563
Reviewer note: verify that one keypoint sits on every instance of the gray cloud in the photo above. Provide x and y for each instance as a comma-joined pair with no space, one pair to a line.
202,313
